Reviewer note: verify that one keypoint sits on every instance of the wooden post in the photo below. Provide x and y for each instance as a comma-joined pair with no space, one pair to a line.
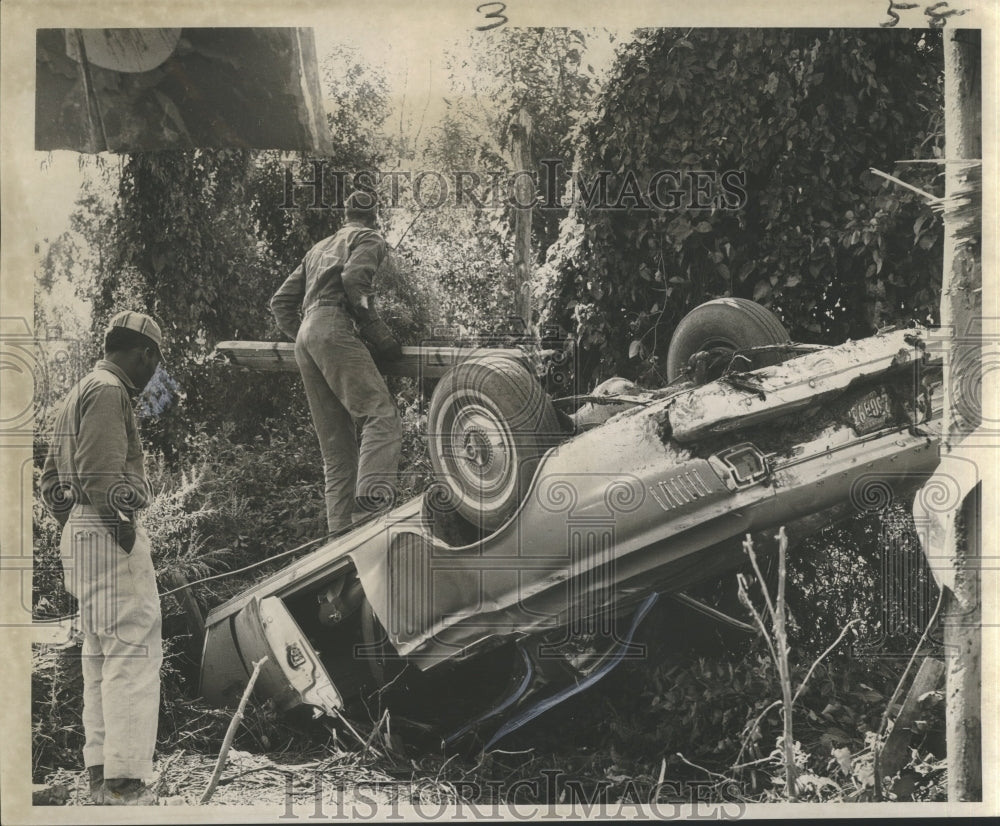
525,193
961,322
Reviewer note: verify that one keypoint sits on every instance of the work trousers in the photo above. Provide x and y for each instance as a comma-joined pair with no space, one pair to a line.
122,646
343,385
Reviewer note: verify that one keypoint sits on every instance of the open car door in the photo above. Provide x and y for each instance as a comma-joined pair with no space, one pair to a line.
293,674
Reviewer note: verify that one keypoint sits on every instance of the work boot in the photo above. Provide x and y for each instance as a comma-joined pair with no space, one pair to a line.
96,774
128,791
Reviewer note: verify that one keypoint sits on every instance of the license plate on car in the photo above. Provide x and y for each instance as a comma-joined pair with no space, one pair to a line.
871,412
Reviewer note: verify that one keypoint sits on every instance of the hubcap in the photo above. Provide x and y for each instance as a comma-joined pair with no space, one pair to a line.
482,448
478,449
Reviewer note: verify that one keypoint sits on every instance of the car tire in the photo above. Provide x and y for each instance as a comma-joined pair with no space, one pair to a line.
488,425
729,323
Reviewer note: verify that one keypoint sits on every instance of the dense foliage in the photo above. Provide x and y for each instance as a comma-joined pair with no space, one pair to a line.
540,71
800,117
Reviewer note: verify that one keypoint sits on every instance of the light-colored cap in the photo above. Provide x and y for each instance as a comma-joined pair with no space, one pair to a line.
139,323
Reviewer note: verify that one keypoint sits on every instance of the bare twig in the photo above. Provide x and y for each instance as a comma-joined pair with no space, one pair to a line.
777,643
778,647
798,693
231,732
375,731
782,559
750,763
364,743
263,769
655,791
822,657
744,597
753,727
748,548
781,643
701,768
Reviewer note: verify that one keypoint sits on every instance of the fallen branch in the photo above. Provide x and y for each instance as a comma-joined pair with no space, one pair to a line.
934,199
231,733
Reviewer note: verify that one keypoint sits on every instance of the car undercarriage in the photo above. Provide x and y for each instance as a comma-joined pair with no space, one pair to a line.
521,575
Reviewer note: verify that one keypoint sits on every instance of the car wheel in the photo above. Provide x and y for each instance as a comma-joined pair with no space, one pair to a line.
488,424
725,323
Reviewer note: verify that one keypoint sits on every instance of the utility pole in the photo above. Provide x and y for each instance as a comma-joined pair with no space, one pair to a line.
961,325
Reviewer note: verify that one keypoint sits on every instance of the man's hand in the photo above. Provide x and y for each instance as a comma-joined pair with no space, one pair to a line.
378,337
122,530
125,536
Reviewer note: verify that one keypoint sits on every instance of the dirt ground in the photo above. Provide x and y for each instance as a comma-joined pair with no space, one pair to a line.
259,780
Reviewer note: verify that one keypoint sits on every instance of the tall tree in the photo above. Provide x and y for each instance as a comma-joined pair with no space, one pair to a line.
508,74
466,250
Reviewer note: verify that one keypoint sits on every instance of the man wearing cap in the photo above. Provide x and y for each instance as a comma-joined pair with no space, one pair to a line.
94,483
332,289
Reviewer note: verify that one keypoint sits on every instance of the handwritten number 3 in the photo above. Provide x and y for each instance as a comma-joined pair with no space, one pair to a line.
496,14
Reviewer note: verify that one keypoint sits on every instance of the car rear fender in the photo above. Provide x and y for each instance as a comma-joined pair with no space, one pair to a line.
293,674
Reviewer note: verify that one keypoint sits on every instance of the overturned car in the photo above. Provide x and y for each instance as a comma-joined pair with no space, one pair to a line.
521,576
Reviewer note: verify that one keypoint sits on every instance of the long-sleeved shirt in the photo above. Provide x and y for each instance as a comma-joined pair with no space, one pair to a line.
95,456
338,268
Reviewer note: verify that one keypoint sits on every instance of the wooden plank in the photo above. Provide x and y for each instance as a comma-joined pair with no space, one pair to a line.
421,362
896,751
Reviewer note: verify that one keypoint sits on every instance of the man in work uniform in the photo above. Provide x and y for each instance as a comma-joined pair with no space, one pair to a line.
332,289
94,483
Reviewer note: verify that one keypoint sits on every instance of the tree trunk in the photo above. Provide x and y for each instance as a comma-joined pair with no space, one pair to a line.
524,192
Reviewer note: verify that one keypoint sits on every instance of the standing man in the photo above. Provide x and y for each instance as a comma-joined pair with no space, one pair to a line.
94,483
332,289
